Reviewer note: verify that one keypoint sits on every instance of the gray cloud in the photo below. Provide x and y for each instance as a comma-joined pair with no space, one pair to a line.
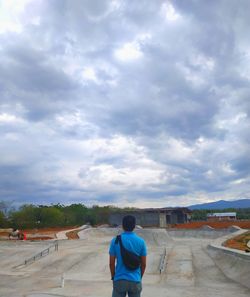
125,103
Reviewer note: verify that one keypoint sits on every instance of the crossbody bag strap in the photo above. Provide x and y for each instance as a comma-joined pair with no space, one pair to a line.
119,240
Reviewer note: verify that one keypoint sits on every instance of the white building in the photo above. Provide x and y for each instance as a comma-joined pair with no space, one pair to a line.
221,216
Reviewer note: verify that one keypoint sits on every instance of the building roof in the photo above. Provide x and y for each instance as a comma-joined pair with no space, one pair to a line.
222,214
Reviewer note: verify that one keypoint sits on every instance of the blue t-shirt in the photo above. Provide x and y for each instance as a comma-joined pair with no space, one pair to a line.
133,243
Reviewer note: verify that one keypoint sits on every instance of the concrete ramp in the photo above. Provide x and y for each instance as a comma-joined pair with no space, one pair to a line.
157,237
235,264
179,271
152,236
98,234
14,253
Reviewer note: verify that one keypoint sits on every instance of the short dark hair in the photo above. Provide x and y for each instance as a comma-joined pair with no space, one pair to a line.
128,223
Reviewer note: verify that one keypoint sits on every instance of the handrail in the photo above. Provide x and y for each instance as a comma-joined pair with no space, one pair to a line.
38,256
163,261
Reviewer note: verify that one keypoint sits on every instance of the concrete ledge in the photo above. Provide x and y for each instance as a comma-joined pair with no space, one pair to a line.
209,233
233,252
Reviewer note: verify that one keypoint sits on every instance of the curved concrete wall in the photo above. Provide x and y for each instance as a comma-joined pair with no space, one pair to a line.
233,263
199,233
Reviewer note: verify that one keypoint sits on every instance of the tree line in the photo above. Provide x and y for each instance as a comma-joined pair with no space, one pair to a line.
30,216
58,215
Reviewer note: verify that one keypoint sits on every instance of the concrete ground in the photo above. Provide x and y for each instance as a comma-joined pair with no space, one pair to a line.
83,265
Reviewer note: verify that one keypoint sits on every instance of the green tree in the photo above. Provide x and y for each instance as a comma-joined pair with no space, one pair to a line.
25,217
51,217
100,214
3,220
199,215
76,214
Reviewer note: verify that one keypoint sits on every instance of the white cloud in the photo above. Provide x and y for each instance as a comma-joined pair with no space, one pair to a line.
110,178
89,74
239,181
205,63
128,52
11,13
195,77
132,50
178,150
230,122
168,12
6,118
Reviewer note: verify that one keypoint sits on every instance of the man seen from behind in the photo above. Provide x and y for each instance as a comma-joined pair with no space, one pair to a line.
127,281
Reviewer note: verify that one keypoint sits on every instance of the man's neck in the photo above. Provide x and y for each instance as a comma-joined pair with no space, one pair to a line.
128,232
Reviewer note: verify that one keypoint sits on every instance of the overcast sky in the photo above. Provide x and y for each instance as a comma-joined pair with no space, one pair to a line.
129,103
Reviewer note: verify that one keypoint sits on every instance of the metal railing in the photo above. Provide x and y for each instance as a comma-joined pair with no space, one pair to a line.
163,261
40,255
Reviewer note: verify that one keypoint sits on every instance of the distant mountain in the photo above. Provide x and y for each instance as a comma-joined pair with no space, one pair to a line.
221,204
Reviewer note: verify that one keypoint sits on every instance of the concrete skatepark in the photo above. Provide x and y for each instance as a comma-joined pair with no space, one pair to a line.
195,265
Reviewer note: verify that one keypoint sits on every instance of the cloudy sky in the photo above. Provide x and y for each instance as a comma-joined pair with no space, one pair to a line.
129,103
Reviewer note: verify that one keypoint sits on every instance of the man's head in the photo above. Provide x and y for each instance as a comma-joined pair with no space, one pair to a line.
128,223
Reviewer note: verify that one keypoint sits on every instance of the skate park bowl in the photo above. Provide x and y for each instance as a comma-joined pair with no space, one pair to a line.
193,264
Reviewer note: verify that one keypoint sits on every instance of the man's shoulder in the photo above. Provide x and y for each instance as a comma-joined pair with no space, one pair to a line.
139,239
113,240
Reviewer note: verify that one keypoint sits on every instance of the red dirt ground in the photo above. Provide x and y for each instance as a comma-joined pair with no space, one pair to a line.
39,238
4,234
216,225
72,234
239,242
46,233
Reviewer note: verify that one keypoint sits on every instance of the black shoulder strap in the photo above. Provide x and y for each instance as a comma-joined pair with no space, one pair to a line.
119,240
